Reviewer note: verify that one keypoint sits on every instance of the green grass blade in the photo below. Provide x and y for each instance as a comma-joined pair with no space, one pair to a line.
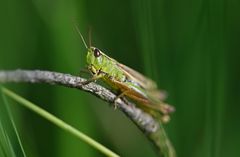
10,145
6,149
58,122
13,125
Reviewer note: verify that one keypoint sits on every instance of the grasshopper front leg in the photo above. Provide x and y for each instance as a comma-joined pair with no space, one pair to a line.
93,79
97,74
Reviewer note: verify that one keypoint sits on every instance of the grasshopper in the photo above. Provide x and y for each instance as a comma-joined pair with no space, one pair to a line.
126,81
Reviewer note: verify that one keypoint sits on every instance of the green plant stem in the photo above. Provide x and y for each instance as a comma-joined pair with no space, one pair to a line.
58,122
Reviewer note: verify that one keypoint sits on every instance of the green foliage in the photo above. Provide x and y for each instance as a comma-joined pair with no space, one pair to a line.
191,48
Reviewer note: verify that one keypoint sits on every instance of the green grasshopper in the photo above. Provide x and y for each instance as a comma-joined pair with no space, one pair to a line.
126,81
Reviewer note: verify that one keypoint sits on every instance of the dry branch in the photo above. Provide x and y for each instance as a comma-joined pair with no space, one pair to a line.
145,122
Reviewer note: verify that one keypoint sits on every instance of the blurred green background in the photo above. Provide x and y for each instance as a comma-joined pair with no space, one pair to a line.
191,49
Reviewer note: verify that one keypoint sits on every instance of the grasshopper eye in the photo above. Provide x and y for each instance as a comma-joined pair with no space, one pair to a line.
97,52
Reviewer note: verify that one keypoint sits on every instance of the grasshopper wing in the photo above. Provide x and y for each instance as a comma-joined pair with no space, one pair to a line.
138,94
137,77
149,85
145,83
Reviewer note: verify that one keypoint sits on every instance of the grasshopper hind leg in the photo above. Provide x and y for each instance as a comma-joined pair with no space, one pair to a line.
120,96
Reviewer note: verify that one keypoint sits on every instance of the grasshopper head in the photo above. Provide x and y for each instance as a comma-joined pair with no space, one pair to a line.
95,57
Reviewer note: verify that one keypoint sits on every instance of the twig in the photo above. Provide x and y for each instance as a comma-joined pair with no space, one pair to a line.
145,122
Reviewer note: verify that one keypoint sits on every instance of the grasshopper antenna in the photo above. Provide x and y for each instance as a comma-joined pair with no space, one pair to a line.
76,27
90,36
